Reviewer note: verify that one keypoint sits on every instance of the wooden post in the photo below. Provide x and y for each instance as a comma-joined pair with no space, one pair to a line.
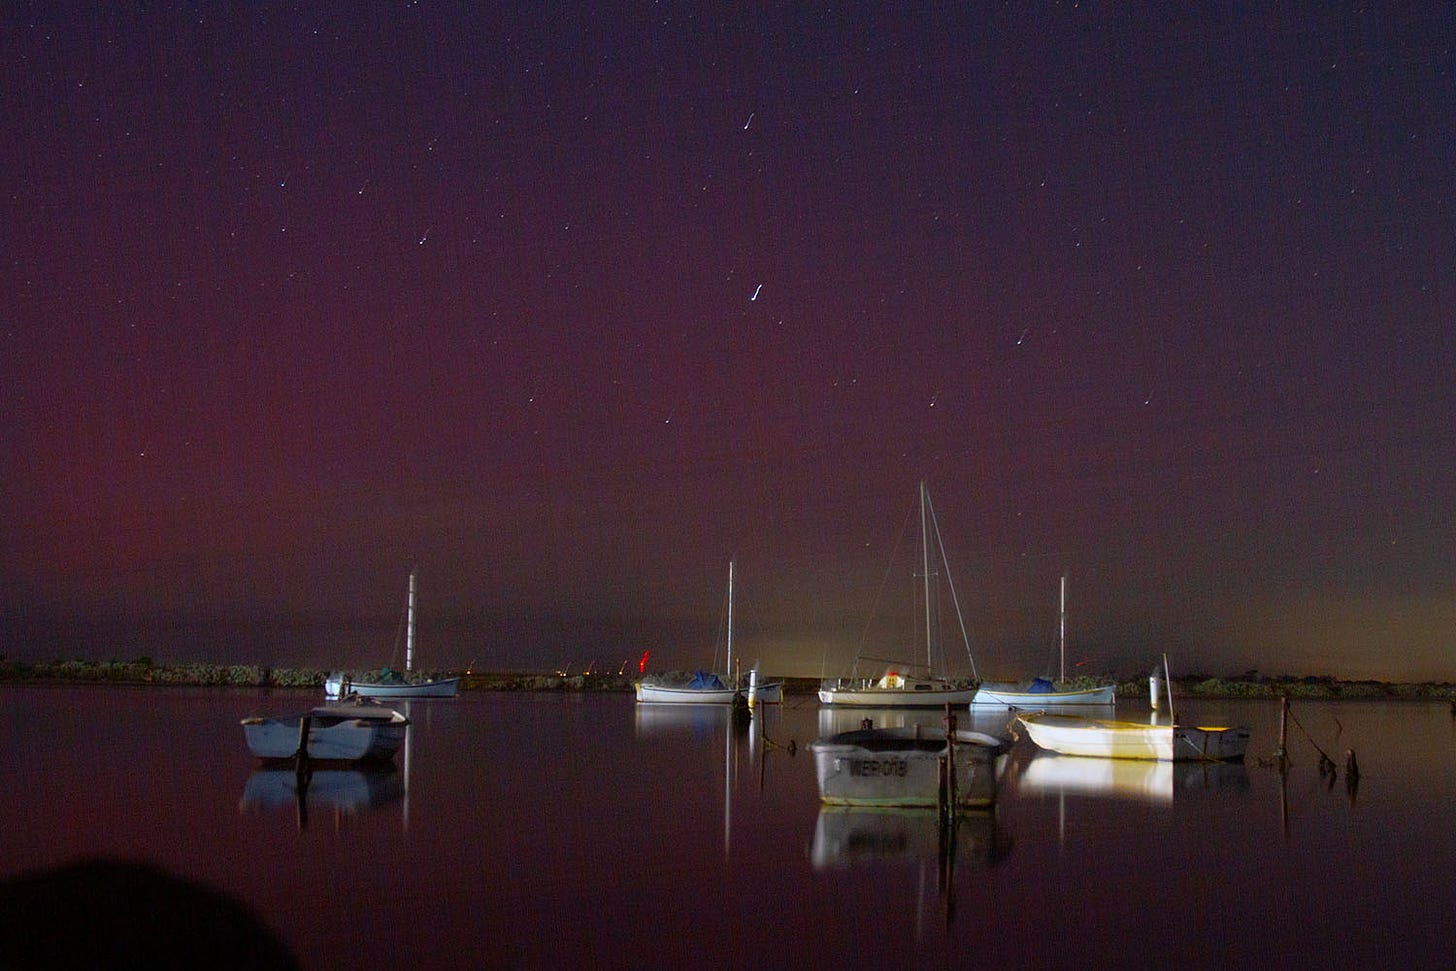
300,757
301,770
1283,754
951,796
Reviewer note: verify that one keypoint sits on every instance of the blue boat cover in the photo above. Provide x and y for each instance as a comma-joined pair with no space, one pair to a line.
1041,686
705,679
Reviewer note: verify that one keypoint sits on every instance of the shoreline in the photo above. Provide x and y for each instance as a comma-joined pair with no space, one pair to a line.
145,672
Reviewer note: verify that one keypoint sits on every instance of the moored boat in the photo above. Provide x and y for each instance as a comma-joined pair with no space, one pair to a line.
336,733
391,684
1111,739
1042,692
894,689
901,767
707,688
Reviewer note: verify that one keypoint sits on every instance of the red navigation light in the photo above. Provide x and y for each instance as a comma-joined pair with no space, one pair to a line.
642,664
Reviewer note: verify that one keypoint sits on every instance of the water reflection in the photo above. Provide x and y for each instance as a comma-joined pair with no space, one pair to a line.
914,839
702,721
346,791
847,836
1131,779
745,742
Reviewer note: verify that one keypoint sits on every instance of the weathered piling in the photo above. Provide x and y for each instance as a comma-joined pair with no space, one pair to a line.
1282,755
300,757
302,771
948,795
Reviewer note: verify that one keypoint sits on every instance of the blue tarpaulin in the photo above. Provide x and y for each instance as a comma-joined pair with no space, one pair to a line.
705,679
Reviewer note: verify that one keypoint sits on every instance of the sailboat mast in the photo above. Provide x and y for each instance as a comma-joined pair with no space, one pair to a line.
925,570
1062,637
731,674
409,630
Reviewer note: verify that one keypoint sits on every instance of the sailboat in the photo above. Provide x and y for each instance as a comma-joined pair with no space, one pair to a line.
707,688
1041,693
895,689
390,684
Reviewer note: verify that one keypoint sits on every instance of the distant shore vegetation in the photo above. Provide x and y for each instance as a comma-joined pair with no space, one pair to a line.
144,671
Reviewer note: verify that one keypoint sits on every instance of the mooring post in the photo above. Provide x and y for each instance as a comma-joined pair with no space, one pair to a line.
950,773
300,757
1283,753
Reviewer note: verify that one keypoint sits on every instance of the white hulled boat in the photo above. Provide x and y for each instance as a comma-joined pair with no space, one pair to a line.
1112,739
1040,692
894,688
349,732
391,684
707,688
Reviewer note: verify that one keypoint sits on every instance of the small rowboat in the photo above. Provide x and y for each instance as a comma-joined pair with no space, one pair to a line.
336,733
1110,739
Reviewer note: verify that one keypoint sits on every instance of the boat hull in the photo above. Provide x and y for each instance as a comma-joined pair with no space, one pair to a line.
917,695
887,768
659,694
771,693
664,695
443,688
1007,696
1109,739
335,735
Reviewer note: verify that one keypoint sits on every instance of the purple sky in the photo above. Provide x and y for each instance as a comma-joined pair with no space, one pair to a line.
571,305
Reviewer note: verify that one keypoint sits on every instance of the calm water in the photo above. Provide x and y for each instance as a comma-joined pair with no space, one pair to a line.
549,830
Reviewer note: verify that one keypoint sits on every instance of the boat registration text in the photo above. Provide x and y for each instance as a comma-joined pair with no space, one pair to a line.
878,767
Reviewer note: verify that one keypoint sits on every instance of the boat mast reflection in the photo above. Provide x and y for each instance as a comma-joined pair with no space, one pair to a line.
741,735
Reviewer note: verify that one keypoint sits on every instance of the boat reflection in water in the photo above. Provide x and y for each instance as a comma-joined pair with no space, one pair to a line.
848,836
1133,779
854,838
347,792
701,720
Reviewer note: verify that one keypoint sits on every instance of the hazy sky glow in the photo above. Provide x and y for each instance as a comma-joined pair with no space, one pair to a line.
571,305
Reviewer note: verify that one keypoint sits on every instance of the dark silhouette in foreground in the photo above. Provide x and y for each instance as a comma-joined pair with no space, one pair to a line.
104,914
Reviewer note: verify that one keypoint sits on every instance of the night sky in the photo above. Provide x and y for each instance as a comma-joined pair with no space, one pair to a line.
570,304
